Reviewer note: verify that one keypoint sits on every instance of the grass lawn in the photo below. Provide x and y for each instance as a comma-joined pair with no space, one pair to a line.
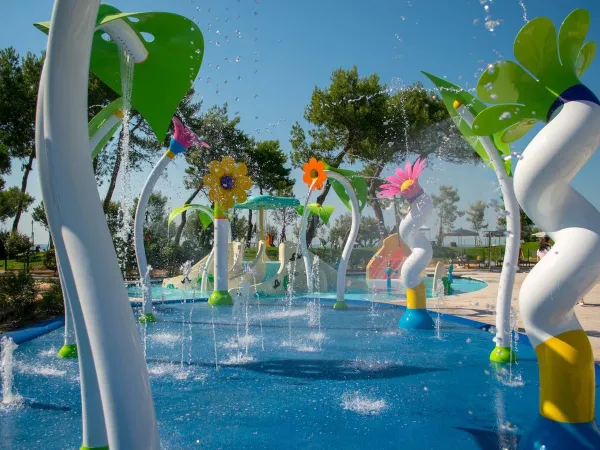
36,262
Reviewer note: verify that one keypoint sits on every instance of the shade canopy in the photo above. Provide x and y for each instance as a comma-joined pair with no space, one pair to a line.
541,234
461,232
267,202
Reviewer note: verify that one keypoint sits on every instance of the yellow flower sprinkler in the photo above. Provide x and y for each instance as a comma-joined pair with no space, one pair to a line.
228,182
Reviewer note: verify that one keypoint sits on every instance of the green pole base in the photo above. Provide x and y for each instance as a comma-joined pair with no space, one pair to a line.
340,304
83,447
68,351
502,355
220,298
147,318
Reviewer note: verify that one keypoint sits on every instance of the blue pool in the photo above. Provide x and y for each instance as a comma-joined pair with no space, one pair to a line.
299,376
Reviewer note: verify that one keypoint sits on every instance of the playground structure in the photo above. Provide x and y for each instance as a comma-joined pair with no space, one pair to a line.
393,251
541,183
117,405
406,183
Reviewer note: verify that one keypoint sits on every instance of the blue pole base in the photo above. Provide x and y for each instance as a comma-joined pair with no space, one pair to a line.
416,319
550,435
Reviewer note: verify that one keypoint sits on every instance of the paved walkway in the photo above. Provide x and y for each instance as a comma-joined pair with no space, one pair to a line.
480,305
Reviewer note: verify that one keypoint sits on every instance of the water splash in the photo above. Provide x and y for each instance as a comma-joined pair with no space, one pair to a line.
7,349
363,405
126,196
439,301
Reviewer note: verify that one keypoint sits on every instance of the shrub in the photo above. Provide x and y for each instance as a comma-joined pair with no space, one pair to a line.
50,259
17,297
17,244
52,303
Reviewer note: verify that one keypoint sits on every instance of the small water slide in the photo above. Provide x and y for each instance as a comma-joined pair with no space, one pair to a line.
236,257
394,251
292,270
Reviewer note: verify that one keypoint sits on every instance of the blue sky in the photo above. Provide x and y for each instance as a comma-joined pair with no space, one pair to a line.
286,47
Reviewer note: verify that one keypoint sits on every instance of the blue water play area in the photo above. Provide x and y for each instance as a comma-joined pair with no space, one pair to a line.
224,377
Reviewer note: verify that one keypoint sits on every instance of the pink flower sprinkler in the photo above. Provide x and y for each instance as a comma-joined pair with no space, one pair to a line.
183,138
406,182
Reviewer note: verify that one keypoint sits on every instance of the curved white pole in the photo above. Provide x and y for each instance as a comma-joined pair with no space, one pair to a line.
503,353
104,129
77,222
306,255
570,269
92,414
343,266
416,315
140,250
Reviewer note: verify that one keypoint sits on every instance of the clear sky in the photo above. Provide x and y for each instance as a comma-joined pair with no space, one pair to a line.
264,58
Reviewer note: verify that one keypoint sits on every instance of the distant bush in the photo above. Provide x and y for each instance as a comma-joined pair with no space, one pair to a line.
17,298
17,244
52,303
50,259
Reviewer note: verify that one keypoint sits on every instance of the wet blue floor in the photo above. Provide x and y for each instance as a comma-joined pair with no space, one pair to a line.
357,381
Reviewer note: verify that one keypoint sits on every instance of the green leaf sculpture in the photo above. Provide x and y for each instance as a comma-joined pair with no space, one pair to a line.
175,48
358,184
205,214
99,119
324,212
551,66
452,93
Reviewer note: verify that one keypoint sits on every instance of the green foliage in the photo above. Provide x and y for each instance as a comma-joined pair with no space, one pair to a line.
17,297
52,302
17,244
239,226
224,137
446,203
368,234
476,215
523,94
10,201
50,259
266,166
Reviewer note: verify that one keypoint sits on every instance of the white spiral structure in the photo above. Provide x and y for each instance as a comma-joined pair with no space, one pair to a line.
570,269
410,232
416,315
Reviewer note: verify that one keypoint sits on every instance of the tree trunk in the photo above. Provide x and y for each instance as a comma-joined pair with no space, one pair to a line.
376,205
379,216
181,226
113,176
26,172
50,241
249,232
440,238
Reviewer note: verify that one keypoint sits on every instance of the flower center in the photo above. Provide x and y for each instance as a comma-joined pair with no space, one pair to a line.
407,184
314,174
227,182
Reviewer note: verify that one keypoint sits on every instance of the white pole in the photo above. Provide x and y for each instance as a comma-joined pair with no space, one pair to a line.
92,414
77,222
220,295
502,352
140,250
345,258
